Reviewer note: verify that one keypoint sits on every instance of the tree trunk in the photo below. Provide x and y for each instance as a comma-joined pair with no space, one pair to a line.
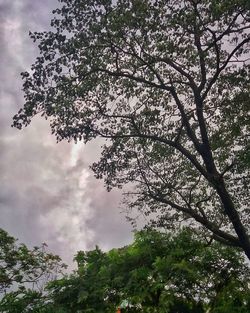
233,216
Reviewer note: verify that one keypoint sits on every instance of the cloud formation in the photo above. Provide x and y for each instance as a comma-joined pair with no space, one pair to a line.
47,191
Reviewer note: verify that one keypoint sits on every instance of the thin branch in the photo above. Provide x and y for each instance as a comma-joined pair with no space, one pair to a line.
192,188
132,77
227,168
209,225
197,41
179,69
171,143
177,138
226,32
217,73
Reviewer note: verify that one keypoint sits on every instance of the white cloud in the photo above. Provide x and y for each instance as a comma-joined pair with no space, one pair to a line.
47,190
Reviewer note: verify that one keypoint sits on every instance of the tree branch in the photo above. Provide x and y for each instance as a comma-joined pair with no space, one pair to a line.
170,143
220,69
207,224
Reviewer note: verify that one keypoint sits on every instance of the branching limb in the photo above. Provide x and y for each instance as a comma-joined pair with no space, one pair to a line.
207,224
170,143
221,68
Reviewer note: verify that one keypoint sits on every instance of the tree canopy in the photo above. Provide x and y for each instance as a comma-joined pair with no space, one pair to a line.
24,273
157,273
166,83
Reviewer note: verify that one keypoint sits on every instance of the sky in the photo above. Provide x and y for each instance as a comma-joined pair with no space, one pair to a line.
48,193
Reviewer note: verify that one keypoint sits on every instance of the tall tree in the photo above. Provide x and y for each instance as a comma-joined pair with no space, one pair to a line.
166,83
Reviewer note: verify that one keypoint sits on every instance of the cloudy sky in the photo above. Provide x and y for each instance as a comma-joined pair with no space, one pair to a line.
48,194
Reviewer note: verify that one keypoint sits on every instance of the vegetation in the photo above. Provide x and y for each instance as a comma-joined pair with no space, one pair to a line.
24,273
158,272
166,83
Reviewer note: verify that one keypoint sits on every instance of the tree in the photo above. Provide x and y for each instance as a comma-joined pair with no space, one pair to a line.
179,273
85,290
23,274
156,273
166,83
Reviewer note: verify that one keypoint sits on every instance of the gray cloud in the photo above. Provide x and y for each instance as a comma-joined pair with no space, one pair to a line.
47,190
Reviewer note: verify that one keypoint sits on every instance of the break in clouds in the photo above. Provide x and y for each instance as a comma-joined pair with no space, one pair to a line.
48,194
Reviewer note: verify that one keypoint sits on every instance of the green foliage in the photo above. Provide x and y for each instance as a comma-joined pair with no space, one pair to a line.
25,301
157,273
166,83
23,275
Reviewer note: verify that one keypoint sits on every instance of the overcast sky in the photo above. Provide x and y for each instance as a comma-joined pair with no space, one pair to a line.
48,194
